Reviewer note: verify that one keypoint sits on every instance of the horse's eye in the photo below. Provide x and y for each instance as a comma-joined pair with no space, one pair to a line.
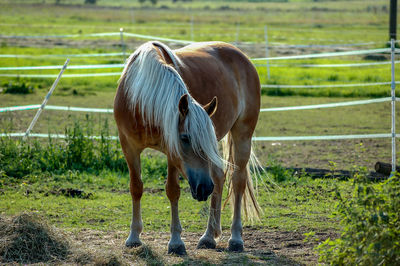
185,139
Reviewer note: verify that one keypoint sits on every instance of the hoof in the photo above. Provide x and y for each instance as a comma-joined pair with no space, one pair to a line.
132,244
206,243
177,249
235,245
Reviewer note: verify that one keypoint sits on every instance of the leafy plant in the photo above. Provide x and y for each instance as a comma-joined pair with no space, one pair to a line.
371,226
77,153
18,88
153,168
278,172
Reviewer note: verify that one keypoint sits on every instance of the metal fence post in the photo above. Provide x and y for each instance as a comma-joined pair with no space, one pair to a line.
266,50
393,89
192,28
237,33
121,33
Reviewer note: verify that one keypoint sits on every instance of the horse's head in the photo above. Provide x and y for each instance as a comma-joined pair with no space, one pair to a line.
195,163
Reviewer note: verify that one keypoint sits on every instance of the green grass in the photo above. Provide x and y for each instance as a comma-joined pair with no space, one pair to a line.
298,203
307,202
34,174
282,74
293,23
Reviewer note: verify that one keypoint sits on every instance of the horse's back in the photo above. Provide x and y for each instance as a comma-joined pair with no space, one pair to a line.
222,70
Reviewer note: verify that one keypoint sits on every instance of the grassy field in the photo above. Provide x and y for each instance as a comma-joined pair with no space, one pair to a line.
98,221
101,211
347,154
295,23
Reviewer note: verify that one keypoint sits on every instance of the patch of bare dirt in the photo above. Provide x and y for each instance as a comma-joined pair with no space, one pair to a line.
27,239
253,50
334,155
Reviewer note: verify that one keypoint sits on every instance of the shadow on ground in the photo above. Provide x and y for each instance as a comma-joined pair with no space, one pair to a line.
261,248
107,248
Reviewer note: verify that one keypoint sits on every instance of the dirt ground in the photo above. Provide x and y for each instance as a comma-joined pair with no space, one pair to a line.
335,155
261,248
251,49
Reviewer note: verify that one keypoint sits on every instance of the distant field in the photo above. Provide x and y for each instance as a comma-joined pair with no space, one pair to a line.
327,23
286,72
294,22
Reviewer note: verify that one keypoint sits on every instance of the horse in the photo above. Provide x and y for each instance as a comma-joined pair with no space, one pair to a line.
182,102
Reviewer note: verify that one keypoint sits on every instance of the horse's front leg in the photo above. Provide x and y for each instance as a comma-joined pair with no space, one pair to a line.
132,156
214,221
175,244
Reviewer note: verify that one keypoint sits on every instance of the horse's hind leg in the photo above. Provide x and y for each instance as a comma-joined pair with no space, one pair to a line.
214,221
175,245
132,156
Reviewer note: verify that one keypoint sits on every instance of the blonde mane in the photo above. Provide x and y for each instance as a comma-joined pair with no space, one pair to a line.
155,88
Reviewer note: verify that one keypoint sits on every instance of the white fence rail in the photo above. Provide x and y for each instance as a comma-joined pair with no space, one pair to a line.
60,55
290,57
235,32
273,109
392,99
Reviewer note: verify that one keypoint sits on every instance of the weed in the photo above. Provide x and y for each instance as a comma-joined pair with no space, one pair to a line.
332,168
278,172
371,226
77,152
18,88
333,77
154,169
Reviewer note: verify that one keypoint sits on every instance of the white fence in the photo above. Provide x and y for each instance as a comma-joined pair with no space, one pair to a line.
234,35
392,99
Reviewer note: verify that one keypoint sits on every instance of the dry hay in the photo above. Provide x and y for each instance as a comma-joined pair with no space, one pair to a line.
27,238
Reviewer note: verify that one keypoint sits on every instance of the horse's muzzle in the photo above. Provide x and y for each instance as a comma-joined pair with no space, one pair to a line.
201,185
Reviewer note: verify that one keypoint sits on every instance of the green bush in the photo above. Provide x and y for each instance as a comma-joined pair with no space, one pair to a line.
371,226
154,169
77,152
18,88
278,173
26,159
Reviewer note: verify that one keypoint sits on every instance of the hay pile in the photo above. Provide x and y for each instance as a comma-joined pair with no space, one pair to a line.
26,238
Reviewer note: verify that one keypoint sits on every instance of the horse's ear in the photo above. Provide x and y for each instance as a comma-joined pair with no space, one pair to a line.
211,107
183,106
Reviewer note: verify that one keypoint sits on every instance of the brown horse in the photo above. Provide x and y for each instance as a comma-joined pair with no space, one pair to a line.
181,103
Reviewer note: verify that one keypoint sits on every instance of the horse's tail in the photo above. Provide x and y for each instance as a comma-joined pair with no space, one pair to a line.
250,207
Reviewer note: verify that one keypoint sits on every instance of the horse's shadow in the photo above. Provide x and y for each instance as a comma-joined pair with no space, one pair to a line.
242,258
253,257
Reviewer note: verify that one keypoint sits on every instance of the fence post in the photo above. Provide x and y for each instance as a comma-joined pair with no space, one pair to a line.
39,111
192,28
393,19
237,33
121,33
393,87
266,49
